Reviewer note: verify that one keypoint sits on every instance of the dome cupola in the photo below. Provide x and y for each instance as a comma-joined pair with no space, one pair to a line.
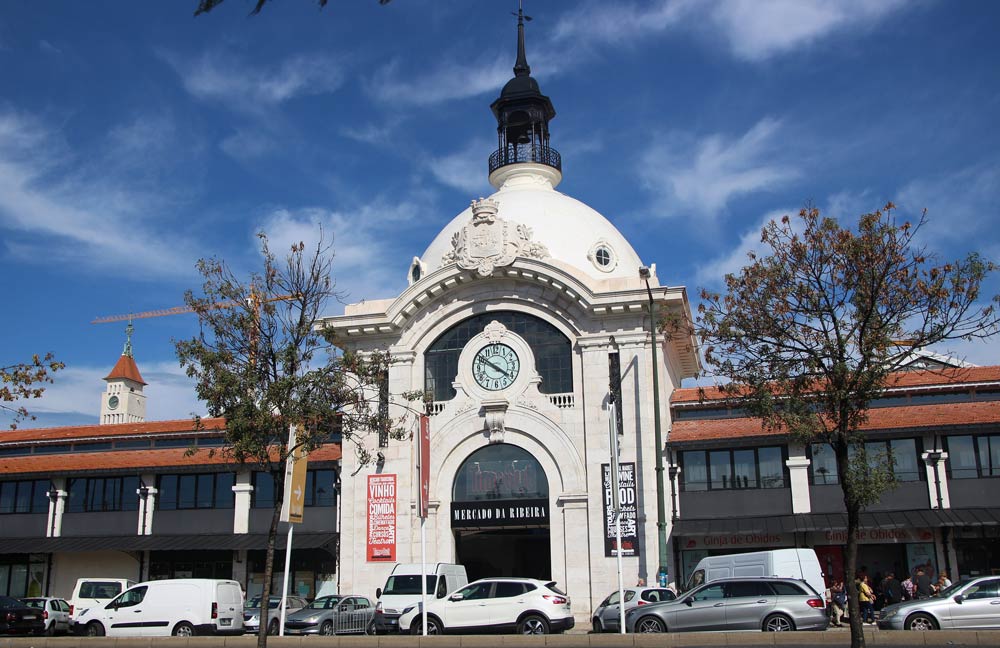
523,113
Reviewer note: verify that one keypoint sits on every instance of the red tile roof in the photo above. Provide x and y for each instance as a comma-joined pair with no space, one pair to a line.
126,368
72,432
914,417
132,460
901,380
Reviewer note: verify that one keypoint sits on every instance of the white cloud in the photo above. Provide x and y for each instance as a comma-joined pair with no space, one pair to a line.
711,273
617,23
703,175
450,81
960,206
248,145
465,169
243,87
73,203
756,30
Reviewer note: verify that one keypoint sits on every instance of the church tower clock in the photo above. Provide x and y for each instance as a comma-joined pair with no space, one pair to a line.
123,400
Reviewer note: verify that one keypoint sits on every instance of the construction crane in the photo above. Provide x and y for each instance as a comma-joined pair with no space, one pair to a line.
254,299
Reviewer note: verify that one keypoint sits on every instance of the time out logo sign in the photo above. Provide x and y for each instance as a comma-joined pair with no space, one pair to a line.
381,518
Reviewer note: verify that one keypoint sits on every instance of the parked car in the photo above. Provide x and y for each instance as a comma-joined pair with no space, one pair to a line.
55,613
969,603
769,604
182,607
402,589
522,605
328,615
90,592
251,613
800,564
607,615
16,618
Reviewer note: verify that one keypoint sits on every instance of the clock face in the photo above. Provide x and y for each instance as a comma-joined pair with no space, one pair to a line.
495,367
113,402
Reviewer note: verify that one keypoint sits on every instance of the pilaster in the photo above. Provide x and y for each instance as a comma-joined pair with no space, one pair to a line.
798,477
241,507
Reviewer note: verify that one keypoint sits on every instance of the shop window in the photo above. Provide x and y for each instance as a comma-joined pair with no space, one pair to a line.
747,468
195,491
970,457
552,351
97,494
25,496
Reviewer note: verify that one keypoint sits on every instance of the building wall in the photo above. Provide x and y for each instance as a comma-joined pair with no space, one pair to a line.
68,567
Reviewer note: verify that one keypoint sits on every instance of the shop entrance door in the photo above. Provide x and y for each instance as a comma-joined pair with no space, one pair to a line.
505,552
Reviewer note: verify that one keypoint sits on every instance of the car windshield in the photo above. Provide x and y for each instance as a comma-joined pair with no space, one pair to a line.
408,584
323,603
34,603
8,602
273,602
953,589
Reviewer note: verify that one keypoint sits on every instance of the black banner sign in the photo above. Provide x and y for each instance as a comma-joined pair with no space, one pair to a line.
499,513
627,497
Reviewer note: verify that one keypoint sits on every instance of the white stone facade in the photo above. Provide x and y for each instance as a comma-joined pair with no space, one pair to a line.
551,275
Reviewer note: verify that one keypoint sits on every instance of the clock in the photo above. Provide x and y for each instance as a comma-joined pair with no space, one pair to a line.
113,402
495,367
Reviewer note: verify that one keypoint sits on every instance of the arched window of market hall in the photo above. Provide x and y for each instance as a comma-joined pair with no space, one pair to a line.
552,350
500,471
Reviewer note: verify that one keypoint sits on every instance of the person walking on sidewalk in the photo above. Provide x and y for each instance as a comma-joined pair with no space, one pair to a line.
866,597
838,603
892,591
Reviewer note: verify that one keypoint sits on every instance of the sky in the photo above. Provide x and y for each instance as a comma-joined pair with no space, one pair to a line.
136,139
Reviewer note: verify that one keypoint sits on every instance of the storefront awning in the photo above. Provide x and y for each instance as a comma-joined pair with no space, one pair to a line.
163,543
806,522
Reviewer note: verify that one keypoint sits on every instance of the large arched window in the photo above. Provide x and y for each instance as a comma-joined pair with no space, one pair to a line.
552,350
500,471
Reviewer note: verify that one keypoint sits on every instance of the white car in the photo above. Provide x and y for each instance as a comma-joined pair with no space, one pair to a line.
522,605
55,612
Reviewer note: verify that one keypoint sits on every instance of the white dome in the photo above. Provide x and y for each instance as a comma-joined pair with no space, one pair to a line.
574,234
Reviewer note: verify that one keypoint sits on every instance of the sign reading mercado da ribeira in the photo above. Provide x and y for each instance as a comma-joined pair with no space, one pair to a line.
500,486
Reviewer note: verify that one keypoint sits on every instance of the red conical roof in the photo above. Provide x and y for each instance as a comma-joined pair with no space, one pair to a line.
126,368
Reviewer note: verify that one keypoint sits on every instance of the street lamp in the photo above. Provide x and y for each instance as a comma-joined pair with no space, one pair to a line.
661,524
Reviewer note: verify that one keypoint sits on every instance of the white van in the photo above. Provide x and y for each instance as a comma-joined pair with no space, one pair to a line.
90,592
402,589
181,607
784,563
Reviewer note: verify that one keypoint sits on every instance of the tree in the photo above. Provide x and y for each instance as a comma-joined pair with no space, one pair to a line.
260,362
204,6
24,380
809,334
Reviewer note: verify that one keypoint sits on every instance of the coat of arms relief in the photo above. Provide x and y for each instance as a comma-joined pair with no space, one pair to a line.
490,242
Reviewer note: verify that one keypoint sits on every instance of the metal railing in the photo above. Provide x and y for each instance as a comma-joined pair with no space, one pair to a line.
514,154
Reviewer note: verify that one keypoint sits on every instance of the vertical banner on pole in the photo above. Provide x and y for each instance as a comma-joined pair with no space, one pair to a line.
628,510
424,465
296,465
381,518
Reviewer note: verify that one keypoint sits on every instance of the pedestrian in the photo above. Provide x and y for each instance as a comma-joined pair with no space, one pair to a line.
641,582
909,589
942,583
922,584
892,591
838,602
866,597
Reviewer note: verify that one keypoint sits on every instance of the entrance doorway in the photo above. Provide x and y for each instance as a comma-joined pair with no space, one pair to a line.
505,552
500,514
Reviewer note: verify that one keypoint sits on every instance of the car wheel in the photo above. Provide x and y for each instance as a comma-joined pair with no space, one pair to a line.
51,630
326,628
778,623
533,624
183,629
597,626
434,626
650,624
272,627
95,629
920,621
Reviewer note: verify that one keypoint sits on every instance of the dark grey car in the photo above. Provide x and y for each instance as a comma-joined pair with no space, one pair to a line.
768,604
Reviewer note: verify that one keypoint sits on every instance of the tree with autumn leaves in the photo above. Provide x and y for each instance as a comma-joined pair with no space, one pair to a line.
809,333
261,362
24,381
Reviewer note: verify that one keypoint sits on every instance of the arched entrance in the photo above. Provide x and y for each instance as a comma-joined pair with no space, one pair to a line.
500,514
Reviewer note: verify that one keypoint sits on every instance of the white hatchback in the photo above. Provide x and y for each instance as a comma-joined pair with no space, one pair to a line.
522,605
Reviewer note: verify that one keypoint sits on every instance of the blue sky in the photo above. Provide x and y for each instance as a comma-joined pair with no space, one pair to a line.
136,139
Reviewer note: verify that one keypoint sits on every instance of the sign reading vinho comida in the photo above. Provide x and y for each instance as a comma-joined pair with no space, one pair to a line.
381,518
626,494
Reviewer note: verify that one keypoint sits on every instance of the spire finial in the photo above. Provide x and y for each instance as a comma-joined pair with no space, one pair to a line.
128,339
521,67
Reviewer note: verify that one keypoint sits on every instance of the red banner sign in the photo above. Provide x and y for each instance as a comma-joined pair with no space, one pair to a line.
424,465
381,518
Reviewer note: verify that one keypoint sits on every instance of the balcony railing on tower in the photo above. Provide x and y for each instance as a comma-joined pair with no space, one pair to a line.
512,154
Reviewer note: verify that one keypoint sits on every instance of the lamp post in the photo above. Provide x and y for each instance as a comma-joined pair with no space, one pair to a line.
661,524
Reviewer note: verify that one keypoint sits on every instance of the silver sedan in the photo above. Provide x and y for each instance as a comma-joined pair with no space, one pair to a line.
328,615
971,603
769,604
607,615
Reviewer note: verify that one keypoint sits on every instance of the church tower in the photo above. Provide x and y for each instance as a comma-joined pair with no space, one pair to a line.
123,400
